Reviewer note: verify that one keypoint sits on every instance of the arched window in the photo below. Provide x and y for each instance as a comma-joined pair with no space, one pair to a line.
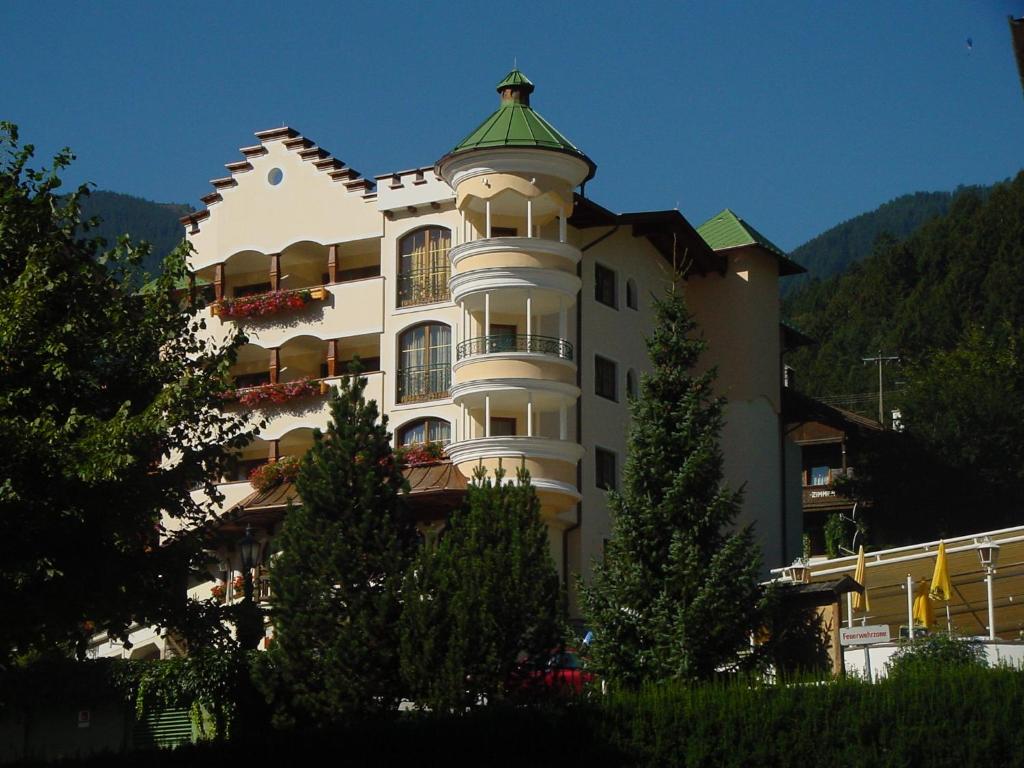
425,431
631,301
631,383
423,266
424,362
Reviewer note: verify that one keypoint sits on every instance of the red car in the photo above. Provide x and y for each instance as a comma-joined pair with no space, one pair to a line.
561,673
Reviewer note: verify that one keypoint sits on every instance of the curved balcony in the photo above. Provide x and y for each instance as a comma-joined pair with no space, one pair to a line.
530,344
503,252
553,282
551,464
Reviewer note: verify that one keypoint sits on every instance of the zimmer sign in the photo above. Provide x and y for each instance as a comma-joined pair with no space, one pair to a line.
876,633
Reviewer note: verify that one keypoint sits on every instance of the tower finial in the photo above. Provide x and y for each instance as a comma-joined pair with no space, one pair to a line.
515,87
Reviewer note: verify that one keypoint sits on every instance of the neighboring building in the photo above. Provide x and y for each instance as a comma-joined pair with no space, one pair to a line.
497,311
828,439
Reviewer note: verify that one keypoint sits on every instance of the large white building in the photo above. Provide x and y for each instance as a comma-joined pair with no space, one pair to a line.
496,309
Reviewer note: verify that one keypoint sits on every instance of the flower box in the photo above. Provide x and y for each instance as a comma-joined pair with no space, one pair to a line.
270,303
266,476
421,454
275,394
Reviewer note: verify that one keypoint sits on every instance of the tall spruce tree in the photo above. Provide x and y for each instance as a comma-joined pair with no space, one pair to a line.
486,595
677,594
337,579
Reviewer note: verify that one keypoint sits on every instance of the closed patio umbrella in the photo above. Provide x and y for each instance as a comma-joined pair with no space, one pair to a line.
861,602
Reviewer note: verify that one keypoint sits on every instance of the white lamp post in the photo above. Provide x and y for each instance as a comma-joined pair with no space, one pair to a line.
988,553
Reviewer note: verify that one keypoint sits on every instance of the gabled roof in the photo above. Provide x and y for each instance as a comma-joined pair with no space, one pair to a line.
516,124
321,159
668,231
727,230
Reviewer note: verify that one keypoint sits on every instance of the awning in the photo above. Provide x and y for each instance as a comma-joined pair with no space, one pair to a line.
886,577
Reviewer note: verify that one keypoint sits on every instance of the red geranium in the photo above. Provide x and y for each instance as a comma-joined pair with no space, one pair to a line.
277,394
265,303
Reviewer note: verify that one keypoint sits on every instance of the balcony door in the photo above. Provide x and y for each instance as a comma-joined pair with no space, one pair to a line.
423,267
424,360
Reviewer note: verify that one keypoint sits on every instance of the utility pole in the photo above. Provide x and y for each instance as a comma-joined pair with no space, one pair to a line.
880,360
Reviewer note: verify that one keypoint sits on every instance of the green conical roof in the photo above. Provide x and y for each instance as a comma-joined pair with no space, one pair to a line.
515,77
516,124
727,230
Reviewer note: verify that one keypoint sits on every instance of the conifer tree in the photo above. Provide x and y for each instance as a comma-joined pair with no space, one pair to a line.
337,579
485,596
677,592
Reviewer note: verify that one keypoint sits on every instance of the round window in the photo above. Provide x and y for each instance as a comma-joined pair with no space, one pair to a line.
275,177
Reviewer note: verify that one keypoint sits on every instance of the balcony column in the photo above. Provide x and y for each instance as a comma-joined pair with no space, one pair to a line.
332,357
529,217
275,271
274,451
563,423
275,364
487,415
465,429
465,234
218,281
561,226
332,264
529,414
529,316
487,315
465,321
563,330
487,216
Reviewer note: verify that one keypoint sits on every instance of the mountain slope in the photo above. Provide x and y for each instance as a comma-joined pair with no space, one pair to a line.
156,223
910,298
835,250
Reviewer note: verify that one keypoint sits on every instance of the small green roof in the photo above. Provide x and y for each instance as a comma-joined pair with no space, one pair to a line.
515,77
516,124
727,230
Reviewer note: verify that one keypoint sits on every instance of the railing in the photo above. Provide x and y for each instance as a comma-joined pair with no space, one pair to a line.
424,382
485,345
423,286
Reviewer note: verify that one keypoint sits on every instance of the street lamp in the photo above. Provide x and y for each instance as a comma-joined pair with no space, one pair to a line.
988,553
799,571
250,620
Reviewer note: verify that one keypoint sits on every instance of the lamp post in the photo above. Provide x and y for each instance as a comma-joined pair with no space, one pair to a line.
988,553
250,619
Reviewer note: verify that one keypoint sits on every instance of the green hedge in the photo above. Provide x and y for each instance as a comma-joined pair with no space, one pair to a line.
954,717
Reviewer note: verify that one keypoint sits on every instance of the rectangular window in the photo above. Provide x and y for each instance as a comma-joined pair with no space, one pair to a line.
605,469
604,286
605,376
819,476
502,426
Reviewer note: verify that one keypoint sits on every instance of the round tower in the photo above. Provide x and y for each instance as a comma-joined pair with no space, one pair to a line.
514,277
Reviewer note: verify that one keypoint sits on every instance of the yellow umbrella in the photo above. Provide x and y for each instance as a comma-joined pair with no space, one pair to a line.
923,613
860,600
941,588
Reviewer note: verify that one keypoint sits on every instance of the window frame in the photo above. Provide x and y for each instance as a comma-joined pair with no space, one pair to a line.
599,270
438,268
606,454
428,348
612,378
425,422
632,302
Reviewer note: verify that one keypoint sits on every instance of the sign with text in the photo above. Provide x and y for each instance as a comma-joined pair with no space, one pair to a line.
874,633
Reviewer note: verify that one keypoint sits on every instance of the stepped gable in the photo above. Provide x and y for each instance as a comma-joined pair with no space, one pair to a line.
320,158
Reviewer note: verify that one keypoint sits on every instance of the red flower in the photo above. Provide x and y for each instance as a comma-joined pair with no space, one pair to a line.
265,303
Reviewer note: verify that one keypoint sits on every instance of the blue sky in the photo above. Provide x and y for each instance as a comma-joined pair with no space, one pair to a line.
796,115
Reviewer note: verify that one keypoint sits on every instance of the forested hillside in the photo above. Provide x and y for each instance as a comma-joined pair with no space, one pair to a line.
912,296
833,252
156,223
949,300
